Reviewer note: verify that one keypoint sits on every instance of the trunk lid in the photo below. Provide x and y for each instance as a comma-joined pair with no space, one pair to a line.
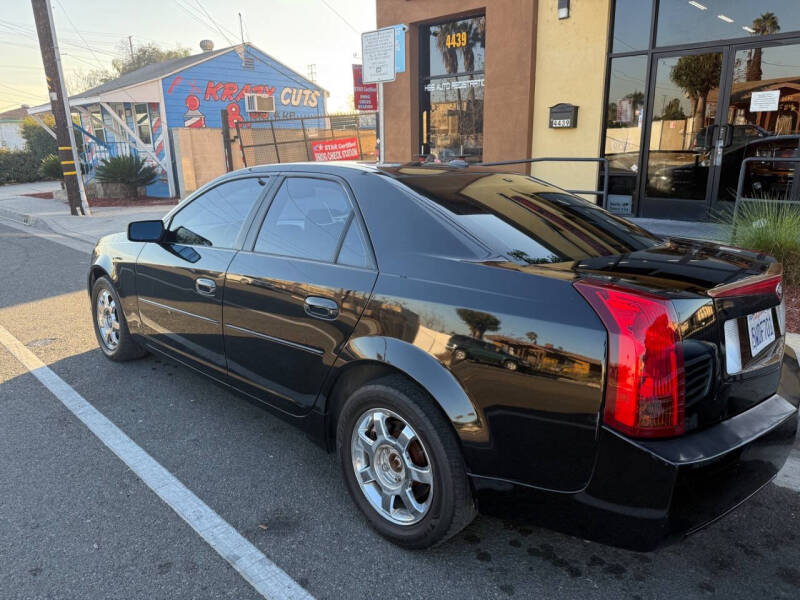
714,289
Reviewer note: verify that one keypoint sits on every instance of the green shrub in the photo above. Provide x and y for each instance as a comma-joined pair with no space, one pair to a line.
18,166
51,167
37,141
130,170
773,229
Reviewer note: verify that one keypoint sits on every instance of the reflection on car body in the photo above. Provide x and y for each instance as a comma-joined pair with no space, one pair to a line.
460,333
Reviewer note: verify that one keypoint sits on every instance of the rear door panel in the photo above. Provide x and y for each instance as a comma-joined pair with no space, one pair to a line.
276,351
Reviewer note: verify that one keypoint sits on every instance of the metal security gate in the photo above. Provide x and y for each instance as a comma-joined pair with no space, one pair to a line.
323,138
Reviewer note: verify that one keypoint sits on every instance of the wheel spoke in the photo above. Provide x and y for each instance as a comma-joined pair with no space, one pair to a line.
387,502
411,503
419,474
115,325
406,436
366,475
379,423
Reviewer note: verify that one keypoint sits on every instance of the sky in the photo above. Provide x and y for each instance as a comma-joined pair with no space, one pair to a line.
299,33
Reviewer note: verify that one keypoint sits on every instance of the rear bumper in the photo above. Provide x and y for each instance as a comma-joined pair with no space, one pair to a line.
644,493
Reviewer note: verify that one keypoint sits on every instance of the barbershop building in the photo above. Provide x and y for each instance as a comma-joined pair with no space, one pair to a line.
171,113
673,93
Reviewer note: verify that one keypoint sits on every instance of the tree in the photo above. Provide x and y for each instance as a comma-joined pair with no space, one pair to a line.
37,141
673,111
478,322
766,24
697,75
80,80
532,336
143,55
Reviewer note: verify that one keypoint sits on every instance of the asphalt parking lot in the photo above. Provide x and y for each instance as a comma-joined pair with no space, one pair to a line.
77,522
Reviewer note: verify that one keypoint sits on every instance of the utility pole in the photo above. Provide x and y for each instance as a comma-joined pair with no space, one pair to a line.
59,103
130,44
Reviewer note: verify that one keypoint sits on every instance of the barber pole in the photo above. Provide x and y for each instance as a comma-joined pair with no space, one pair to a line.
158,137
193,117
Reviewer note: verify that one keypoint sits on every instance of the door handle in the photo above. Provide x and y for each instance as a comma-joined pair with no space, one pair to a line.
321,308
205,286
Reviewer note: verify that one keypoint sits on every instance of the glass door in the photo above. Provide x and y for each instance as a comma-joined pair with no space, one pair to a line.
761,119
683,130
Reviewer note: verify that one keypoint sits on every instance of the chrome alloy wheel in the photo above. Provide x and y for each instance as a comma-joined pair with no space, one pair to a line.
107,320
392,466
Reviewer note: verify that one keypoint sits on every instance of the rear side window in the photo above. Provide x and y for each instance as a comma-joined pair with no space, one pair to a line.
216,217
353,252
307,219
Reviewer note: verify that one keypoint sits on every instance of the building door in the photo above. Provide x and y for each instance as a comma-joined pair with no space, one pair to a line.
761,118
683,133
708,110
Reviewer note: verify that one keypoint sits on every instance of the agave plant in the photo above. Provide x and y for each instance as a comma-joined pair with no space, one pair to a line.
127,169
51,167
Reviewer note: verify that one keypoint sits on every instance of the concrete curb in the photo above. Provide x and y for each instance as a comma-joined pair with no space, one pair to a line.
25,219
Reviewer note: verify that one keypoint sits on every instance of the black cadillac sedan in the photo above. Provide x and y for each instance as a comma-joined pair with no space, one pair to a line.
652,391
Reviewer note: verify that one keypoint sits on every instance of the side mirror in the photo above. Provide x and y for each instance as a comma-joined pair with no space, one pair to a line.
146,231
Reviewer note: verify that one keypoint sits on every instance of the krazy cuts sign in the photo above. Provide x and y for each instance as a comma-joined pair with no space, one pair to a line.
341,149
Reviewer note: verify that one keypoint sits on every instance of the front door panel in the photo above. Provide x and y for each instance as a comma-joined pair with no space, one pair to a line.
180,314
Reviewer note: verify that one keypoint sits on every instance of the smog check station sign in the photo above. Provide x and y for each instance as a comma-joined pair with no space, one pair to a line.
341,149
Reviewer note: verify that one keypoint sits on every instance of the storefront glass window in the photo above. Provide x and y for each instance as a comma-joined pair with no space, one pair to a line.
632,25
624,113
452,84
457,47
682,22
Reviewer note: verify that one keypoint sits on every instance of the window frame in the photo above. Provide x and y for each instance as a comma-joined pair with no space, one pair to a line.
169,218
356,216
138,126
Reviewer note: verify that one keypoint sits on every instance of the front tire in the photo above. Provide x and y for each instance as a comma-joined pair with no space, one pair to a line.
110,326
402,464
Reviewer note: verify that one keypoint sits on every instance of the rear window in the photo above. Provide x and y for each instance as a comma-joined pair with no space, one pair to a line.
527,221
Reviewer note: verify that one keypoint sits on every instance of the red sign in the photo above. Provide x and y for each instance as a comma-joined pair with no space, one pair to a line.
365,96
341,149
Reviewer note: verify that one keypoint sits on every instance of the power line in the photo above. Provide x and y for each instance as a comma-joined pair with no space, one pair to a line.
345,21
216,24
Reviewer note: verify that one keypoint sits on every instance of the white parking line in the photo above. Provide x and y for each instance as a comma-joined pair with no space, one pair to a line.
265,576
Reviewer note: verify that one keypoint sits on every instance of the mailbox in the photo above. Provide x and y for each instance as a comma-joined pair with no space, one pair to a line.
563,116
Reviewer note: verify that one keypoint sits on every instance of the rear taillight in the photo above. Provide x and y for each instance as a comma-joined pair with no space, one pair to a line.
645,378
750,286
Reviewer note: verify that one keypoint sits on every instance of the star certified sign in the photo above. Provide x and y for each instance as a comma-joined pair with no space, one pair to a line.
378,55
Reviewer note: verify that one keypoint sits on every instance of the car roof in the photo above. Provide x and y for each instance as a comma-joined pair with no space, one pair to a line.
344,168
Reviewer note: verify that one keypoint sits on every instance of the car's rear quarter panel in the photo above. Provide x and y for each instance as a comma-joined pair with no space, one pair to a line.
541,420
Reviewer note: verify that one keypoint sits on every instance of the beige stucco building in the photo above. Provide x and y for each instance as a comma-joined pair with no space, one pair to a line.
673,94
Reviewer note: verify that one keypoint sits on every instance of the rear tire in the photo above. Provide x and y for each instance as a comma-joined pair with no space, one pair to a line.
110,325
416,446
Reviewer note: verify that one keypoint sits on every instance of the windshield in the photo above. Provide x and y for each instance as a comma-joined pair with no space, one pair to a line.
527,221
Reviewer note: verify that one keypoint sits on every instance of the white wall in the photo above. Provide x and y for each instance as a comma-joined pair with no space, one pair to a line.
11,136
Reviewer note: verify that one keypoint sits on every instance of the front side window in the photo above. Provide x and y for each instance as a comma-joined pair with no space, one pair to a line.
216,217
307,219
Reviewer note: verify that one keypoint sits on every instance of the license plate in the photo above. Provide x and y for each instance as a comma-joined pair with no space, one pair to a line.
761,330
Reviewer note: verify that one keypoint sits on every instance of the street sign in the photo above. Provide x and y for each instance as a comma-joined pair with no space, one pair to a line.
400,48
378,55
365,96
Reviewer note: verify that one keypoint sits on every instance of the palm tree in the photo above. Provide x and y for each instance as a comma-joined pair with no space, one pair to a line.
697,75
766,24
